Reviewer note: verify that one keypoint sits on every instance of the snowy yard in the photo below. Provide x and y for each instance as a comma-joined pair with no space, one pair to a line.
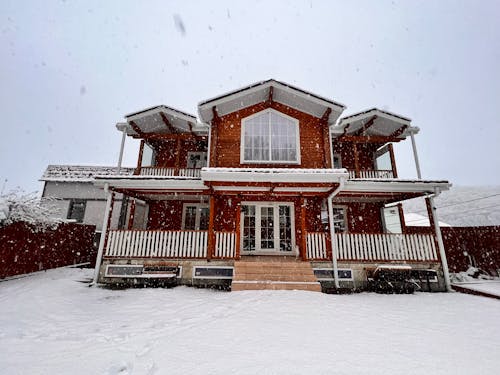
51,323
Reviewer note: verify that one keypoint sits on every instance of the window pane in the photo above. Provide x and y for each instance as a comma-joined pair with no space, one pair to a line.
190,218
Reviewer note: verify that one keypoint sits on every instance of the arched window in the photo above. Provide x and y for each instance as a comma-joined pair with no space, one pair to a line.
270,137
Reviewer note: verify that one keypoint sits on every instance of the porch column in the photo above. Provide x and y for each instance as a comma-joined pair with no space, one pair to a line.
303,235
131,215
178,156
356,160
122,146
393,161
415,155
238,231
104,231
437,230
139,159
211,232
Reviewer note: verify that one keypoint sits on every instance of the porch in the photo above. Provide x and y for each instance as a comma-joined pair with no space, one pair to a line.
193,244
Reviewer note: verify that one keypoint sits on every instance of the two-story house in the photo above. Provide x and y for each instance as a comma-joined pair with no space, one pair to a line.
267,189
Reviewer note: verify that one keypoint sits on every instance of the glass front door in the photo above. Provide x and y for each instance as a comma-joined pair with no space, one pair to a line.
267,228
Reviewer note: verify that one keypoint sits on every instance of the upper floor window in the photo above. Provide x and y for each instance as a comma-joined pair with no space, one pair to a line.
270,137
76,210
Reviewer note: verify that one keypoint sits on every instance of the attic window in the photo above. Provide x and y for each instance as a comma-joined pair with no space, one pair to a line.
270,137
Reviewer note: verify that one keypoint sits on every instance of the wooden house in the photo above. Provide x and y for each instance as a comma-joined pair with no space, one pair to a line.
268,188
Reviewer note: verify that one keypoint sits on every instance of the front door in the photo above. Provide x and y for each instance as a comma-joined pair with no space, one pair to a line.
267,228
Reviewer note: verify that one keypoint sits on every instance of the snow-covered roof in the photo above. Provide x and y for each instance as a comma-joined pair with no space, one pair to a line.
161,120
296,175
281,92
415,220
81,173
374,122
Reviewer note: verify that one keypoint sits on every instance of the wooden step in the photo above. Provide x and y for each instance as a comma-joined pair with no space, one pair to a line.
276,274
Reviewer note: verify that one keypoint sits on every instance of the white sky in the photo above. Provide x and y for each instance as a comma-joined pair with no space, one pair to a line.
70,70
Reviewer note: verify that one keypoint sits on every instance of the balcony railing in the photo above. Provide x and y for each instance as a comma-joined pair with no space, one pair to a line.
168,172
372,173
374,247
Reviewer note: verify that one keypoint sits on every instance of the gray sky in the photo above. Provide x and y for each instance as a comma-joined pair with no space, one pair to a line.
71,70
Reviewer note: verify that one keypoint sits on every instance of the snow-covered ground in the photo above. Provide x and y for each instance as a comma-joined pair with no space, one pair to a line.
486,286
50,323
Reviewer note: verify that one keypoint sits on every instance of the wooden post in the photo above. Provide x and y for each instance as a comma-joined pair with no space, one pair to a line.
214,129
393,161
131,215
177,157
356,160
303,247
429,213
104,232
211,231
139,160
402,217
238,231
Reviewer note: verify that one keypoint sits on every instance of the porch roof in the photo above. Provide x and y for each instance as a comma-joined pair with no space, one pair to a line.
161,120
280,92
390,190
374,123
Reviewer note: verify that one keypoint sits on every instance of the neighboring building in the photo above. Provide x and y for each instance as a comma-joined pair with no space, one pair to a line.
267,190
76,198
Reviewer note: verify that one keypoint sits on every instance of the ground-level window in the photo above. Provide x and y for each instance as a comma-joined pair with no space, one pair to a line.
195,216
76,210
267,226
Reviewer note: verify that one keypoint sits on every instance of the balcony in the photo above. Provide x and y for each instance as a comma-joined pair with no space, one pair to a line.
372,173
169,172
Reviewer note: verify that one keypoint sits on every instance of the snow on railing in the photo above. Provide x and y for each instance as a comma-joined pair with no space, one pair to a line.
316,245
399,247
157,244
168,172
225,244
372,173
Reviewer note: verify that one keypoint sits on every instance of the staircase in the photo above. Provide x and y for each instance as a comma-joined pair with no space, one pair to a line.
274,273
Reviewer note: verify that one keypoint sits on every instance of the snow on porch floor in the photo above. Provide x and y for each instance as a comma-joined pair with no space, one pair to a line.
52,324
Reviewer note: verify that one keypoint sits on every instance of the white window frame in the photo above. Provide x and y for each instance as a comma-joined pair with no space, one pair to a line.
212,277
270,161
198,206
275,205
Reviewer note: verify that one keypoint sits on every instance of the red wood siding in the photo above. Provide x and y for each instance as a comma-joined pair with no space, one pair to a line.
366,153
364,217
227,139
166,151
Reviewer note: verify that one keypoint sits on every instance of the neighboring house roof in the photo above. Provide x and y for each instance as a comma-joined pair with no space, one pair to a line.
374,122
81,173
280,92
415,220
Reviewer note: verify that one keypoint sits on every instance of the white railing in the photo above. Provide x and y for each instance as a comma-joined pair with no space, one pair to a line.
399,247
372,173
316,245
157,244
225,244
168,172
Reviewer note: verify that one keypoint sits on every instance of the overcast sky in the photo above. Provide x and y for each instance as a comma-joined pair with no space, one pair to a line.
70,70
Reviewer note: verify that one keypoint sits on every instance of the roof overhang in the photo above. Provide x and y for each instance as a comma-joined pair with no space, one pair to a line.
390,190
260,92
374,123
161,120
150,183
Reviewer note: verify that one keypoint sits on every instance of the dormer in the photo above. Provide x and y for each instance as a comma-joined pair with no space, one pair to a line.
270,124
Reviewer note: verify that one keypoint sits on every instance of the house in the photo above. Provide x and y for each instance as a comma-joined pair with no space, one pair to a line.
76,199
267,189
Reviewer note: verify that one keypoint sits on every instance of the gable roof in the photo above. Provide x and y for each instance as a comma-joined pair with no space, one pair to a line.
374,122
160,119
81,173
259,92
